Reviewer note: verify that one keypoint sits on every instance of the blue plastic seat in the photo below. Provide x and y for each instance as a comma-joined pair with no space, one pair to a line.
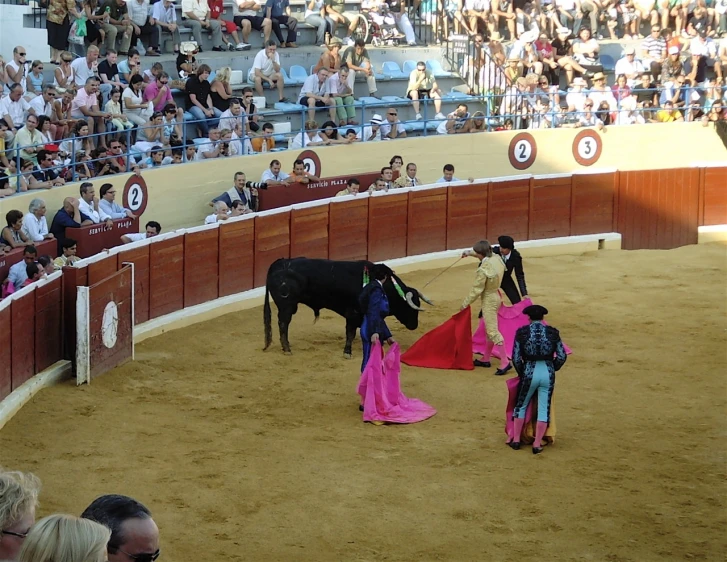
188,116
372,102
435,67
390,68
608,64
312,68
297,74
394,99
409,66
200,141
288,107
457,95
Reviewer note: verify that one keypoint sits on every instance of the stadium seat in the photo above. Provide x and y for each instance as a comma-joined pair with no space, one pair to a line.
297,74
236,78
286,107
212,76
392,69
409,65
435,67
199,141
312,68
608,64
372,102
394,99
457,95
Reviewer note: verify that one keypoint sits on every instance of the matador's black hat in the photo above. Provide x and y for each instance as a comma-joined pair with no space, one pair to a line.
535,311
506,242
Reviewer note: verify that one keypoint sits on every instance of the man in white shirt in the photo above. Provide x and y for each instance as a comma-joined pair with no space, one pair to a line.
233,116
212,148
88,205
266,70
273,175
17,273
196,16
109,207
222,212
372,132
14,109
576,98
43,104
630,66
315,93
29,141
18,68
245,14
144,26
392,128
35,225
152,229
85,67
448,175
164,15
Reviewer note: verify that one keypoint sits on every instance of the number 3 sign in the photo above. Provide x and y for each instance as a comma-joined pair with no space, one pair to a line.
136,195
522,151
587,147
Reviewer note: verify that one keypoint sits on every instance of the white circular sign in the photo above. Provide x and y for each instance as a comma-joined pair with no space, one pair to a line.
110,324
522,151
587,148
135,198
310,166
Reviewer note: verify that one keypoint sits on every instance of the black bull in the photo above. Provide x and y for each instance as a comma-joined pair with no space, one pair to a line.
334,285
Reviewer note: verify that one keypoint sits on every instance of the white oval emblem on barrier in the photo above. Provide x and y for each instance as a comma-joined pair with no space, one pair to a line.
522,151
136,198
136,195
587,147
110,324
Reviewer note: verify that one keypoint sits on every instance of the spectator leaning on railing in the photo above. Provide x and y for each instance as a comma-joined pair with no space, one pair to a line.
69,216
28,140
12,236
17,274
68,256
151,229
45,173
109,207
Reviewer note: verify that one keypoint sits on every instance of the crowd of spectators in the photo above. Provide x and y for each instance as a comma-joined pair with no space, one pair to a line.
113,528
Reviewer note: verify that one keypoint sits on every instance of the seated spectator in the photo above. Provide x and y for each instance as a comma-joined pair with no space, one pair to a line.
621,89
177,156
576,98
157,158
109,207
190,153
340,86
64,77
25,180
309,137
45,263
86,67
211,148
266,70
330,58
586,51
35,225
329,133
196,16
335,10
33,272
543,117
423,85
668,114
164,15
77,143
64,537
12,235
17,274
457,122
68,216
273,176
628,113
158,92
18,502
278,11
716,113
378,185
222,212
372,132
152,229
301,175
136,109
314,93
88,205
44,107
199,100
251,113
409,179
108,71
14,109
85,107
601,92
653,51
151,135
4,130
478,123
448,175
62,114
587,118
629,66
233,115
134,534
392,128
117,116
243,191
221,90
358,61
118,162
228,27
246,16
646,92
266,141
44,128
186,61
353,185
563,52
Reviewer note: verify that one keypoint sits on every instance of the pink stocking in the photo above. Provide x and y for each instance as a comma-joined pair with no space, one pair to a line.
488,350
504,361
540,429
519,423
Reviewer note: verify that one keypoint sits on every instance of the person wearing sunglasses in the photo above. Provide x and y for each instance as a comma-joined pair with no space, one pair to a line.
18,501
60,538
392,128
134,534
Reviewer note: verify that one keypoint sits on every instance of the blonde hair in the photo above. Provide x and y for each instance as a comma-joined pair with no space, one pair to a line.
532,79
311,125
65,538
223,74
18,496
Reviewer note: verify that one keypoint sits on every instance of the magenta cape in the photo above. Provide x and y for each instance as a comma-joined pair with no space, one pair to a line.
509,319
445,347
381,394
528,433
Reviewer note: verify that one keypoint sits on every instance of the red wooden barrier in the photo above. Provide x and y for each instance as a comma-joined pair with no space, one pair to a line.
277,196
466,214
348,228
140,258
550,207
388,220
201,266
95,238
236,256
6,374
715,196
166,276
272,242
73,277
508,207
22,338
427,221
49,315
46,247
593,197
102,268
309,232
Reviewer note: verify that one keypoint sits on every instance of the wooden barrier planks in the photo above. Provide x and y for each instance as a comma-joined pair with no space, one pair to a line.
593,197
388,224
102,269
715,196
140,258
348,229
166,276
272,242
550,207
22,338
201,266
309,232
6,362
236,256
508,206
49,315
427,221
466,214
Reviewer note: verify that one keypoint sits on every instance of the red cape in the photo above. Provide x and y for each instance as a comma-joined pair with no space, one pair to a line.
448,346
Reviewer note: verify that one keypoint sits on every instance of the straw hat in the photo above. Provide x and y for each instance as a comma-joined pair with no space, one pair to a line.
599,76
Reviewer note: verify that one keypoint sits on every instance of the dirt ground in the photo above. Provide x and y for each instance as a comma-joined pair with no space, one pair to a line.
245,455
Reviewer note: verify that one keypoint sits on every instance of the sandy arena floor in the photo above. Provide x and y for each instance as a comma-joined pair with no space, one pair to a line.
245,455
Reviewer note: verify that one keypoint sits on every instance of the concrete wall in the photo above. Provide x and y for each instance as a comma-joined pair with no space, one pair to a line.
12,34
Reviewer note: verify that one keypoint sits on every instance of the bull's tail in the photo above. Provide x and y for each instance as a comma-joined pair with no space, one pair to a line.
267,318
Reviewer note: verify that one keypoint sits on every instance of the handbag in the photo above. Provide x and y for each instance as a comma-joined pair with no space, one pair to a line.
73,36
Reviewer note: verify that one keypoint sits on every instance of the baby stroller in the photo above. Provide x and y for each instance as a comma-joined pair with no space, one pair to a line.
380,25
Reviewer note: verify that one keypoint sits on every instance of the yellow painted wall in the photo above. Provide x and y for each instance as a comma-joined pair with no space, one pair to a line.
178,195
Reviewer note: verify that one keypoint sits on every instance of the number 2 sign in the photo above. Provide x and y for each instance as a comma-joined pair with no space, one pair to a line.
136,195
522,151
587,147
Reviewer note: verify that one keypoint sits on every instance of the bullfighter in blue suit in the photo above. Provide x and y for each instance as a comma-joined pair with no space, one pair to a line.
375,307
537,354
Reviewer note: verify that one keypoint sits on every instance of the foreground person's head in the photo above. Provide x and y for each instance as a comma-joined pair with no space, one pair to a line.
18,501
65,538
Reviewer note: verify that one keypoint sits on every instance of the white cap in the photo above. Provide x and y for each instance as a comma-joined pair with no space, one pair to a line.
377,119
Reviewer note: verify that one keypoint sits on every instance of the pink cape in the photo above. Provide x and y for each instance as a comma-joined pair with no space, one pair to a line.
381,394
509,319
530,417
445,347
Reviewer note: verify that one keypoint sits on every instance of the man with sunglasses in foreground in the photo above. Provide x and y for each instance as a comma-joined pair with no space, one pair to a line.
134,534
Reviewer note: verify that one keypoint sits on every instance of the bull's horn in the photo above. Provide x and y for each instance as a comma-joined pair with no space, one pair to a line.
410,302
424,298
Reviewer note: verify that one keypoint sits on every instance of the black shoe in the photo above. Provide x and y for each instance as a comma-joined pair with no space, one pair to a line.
478,363
537,450
360,407
284,100
514,446
500,372
218,49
